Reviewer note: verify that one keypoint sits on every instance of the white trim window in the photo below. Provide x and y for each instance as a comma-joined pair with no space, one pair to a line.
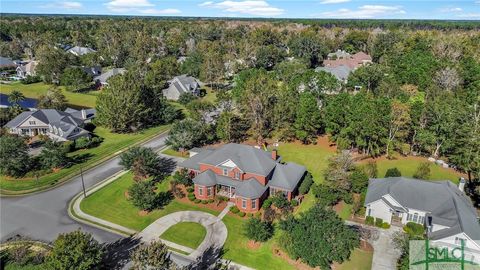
225,171
237,175
244,204
209,191
254,204
200,191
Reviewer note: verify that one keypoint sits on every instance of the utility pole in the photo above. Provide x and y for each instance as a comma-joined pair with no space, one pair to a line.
83,183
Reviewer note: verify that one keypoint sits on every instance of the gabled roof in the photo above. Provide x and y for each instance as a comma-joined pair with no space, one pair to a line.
287,176
340,72
184,83
445,203
105,76
250,189
249,159
77,50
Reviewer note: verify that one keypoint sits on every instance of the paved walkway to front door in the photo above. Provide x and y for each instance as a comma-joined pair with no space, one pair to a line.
216,230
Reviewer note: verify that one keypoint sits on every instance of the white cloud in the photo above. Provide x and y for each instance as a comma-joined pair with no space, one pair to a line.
364,12
250,7
153,11
334,1
70,5
453,9
126,5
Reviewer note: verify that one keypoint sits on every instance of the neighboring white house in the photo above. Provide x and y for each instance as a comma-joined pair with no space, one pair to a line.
442,207
27,69
58,125
180,85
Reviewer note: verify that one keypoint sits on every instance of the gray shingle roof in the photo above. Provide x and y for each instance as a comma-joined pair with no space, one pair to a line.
340,72
247,158
105,76
446,204
250,189
80,50
193,162
206,178
287,176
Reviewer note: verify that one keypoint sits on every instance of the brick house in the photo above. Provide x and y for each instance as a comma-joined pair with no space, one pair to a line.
244,174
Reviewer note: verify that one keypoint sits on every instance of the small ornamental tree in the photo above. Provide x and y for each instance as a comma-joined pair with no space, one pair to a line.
423,171
258,230
53,155
359,181
321,231
142,195
76,251
151,256
393,172
143,161
186,134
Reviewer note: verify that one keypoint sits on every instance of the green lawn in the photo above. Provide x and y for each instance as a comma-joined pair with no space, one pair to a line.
34,90
408,166
359,260
210,95
313,157
171,152
112,143
189,234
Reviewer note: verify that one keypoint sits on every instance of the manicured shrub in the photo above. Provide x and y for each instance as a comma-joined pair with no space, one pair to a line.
306,184
393,172
267,203
369,220
378,222
211,201
204,202
250,215
258,230
241,214
190,198
280,201
197,201
414,229
385,225
234,210
294,203
190,189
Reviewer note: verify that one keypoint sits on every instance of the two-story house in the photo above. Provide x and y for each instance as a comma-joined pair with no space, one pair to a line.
446,212
244,174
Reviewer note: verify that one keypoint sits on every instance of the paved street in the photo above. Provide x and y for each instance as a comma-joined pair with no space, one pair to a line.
43,216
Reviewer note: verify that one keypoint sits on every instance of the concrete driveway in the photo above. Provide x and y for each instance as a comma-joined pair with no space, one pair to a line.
216,230
43,216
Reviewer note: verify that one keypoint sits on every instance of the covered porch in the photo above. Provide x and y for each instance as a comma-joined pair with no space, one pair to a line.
226,191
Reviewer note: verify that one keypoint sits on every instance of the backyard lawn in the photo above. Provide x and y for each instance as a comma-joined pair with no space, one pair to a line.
34,90
359,260
112,143
189,234
408,165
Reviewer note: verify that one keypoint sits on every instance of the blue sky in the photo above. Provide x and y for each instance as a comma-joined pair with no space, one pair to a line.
358,9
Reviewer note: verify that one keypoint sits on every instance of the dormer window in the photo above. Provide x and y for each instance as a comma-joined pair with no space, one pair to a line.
237,175
225,171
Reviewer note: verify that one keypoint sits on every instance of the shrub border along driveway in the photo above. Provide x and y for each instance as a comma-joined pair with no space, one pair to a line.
73,174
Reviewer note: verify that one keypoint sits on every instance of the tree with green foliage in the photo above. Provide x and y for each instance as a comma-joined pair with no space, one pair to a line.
337,174
307,45
14,160
267,57
76,251
359,180
53,99
14,98
422,171
356,41
319,83
320,230
231,127
306,184
258,230
186,134
143,161
367,77
142,195
393,172
192,65
75,79
160,71
51,63
154,255
325,195
308,119
127,104
53,155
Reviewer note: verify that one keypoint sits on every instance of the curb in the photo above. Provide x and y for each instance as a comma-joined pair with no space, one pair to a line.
60,183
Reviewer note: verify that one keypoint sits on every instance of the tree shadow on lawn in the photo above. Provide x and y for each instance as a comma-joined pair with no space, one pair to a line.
210,257
80,158
117,254
165,167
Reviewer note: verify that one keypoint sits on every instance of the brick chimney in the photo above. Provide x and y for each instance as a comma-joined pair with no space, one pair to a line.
274,154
